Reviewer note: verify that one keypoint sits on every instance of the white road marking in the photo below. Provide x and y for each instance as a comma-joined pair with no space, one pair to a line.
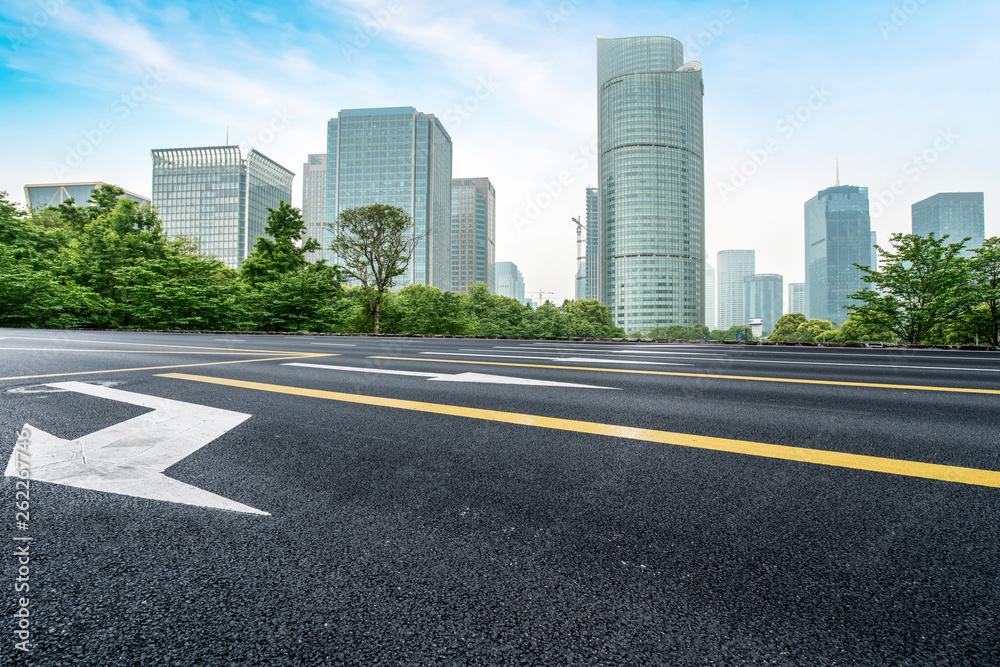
457,377
596,360
335,344
232,340
590,350
129,458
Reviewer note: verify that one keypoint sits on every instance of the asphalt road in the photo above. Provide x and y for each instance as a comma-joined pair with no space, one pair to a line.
689,505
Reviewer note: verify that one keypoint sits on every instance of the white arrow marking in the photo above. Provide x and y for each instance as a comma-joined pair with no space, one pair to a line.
459,377
129,458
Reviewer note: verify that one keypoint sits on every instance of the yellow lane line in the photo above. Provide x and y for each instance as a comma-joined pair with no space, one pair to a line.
73,349
916,387
821,457
115,342
156,368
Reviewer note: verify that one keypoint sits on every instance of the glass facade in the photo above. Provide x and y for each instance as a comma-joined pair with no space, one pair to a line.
837,235
764,298
473,233
53,194
735,266
651,205
711,319
313,185
213,195
797,298
593,261
399,157
957,214
510,282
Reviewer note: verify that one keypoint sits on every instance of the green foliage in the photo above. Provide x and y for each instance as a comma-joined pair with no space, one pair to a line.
282,250
786,326
922,284
854,330
732,333
814,330
983,320
428,310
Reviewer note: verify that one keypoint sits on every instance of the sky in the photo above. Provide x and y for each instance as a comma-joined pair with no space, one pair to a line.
903,94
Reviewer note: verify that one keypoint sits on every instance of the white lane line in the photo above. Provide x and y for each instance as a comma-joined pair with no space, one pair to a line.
335,344
232,340
596,360
129,458
591,350
456,377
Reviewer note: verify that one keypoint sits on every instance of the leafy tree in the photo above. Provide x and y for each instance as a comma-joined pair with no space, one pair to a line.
495,315
922,283
282,250
984,269
428,310
786,326
32,297
589,318
853,329
374,244
814,330
698,332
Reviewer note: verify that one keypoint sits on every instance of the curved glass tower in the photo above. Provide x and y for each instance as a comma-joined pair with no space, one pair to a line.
652,183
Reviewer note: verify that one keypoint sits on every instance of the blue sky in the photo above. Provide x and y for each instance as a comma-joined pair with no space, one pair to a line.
904,94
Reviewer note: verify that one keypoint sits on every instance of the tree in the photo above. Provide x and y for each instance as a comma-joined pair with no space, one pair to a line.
984,270
495,315
589,318
814,330
282,250
374,245
853,329
922,284
698,332
427,310
786,326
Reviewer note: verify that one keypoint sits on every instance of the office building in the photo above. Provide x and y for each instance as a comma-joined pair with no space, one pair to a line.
42,195
763,299
215,195
956,214
593,223
651,171
733,268
510,282
837,236
874,265
313,198
473,233
399,157
797,298
711,318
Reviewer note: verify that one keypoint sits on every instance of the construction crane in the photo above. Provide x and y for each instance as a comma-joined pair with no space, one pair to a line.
540,293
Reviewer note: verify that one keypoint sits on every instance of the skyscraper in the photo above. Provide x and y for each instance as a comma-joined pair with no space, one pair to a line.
216,196
593,223
764,298
473,233
957,214
400,157
711,316
53,194
510,282
651,169
874,265
797,298
837,235
734,266
313,186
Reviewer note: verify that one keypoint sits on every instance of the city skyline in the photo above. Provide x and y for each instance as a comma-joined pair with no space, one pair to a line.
514,85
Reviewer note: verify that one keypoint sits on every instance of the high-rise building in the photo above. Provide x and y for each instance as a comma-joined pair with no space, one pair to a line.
957,214
53,194
764,298
797,298
510,282
593,222
874,265
652,183
399,157
215,195
733,268
473,233
313,187
837,236
711,319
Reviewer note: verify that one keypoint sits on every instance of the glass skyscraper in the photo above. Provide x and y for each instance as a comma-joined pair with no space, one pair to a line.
473,233
838,235
764,298
710,308
214,195
400,157
797,298
510,282
53,194
957,214
652,183
734,267
313,188
593,260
